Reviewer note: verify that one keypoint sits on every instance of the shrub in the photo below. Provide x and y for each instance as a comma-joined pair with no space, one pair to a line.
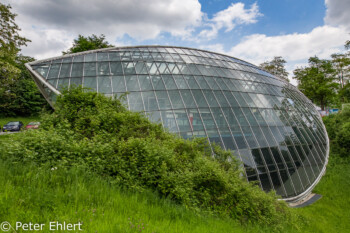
91,130
338,129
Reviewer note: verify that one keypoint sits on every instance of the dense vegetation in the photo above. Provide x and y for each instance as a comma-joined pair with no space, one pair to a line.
44,194
93,131
338,128
19,95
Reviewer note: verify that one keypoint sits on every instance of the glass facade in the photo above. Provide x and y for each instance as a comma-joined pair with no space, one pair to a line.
271,126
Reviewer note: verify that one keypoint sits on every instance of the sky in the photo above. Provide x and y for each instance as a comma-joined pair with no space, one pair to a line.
252,30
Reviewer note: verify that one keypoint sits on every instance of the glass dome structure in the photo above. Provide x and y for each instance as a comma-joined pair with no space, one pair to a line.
271,126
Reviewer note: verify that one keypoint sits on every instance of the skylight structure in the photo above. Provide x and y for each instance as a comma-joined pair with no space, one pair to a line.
271,126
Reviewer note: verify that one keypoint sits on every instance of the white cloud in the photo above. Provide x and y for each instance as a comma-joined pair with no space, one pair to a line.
321,41
219,48
52,25
229,18
338,13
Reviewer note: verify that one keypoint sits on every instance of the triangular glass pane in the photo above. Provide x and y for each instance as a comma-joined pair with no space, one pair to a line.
169,82
175,99
126,56
132,83
118,84
153,69
180,81
188,99
175,70
129,68
140,68
202,83
191,82
199,97
193,69
157,82
145,83
161,67
212,83
163,100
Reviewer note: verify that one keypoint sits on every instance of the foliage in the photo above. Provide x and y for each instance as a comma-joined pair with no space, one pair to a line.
98,132
83,43
338,128
276,67
18,93
341,63
317,81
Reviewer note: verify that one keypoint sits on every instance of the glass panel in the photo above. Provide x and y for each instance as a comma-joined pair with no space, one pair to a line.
103,56
118,84
53,72
221,99
141,68
157,82
114,56
90,57
207,118
77,70
259,136
163,100
191,82
135,101
128,68
202,83
90,69
188,99
76,82
180,81
212,83
65,70
145,83
62,83
231,99
169,120
175,99
248,134
132,83
182,120
195,120
210,98
103,68
169,82
198,96
116,68
104,85
150,101
90,82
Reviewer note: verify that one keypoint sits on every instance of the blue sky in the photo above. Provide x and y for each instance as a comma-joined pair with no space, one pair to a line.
254,31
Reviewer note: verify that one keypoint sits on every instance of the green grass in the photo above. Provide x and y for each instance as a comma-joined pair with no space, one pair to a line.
332,212
25,120
32,194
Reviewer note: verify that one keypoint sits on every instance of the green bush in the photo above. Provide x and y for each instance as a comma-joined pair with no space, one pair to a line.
338,129
88,129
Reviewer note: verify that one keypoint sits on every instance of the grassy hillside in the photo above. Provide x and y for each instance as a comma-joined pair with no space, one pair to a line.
42,195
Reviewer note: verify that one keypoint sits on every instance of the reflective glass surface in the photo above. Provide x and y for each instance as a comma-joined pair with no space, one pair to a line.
272,127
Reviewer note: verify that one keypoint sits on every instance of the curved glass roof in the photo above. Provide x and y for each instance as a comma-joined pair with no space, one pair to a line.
273,128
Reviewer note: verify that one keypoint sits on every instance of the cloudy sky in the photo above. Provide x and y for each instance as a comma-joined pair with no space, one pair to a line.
252,30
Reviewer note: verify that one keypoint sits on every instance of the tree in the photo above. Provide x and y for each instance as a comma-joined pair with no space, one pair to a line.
83,43
341,63
18,92
317,81
276,67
